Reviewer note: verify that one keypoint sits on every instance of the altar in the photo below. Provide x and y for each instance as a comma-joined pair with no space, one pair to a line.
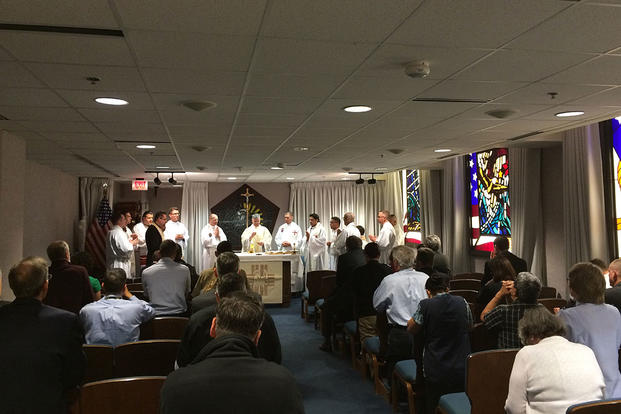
269,274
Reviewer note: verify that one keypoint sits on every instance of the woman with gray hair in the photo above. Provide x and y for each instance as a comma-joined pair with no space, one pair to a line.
550,373
595,324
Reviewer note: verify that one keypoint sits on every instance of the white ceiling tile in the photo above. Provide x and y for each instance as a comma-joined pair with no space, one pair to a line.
74,13
467,125
253,131
432,109
7,125
589,113
292,86
204,16
519,110
195,51
14,75
584,28
174,112
60,76
308,57
475,23
4,55
116,129
67,48
604,70
521,126
86,99
268,120
29,97
322,133
386,88
57,126
345,20
538,93
115,114
457,89
259,105
610,97
521,65
22,113
183,133
193,81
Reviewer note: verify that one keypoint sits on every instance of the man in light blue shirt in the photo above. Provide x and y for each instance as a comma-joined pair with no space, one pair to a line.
112,320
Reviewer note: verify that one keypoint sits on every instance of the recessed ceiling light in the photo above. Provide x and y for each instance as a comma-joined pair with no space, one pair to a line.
111,101
442,150
300,148
290,178
145,146
231,178
569,113
357,108
278,166
163,168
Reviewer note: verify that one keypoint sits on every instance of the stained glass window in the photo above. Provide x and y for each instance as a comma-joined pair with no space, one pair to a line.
616,154
412,192
489,194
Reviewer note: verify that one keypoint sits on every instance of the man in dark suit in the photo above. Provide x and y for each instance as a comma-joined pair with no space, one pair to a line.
228,376
365,281
154,235
501,246
69,287
340,304
197,333
41,346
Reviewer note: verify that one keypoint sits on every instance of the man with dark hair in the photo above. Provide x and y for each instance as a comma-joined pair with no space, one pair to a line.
192,269
175,229
226,262
70,288
424,260
197,333
227,375
524,293
365,281
167,283
612,296
155,235
113,320
41,346
316,253
332,234
141,230
349,229
444,320
603,267
340,305
501,246
119,246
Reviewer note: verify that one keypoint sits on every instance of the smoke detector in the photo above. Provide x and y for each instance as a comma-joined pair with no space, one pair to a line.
417,69
199,106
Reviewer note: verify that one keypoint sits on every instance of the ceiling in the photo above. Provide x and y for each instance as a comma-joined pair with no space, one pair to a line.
280,73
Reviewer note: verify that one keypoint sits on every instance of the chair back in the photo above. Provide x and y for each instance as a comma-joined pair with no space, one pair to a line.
134,286
122,396
547,292
99,362
140,295
313,283
465,284
327,286
550,304
481,338
596,407
477,276
487,380
153,357
164,327
469,295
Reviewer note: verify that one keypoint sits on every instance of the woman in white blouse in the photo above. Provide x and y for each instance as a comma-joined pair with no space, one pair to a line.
550,373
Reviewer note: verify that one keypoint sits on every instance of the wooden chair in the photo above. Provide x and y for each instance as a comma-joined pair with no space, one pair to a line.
465,284
487,379
153,357
139,395
469,295
327,286
550,304
481,338
313,284
134,286
547,292
596,407
99,362
477,276
164,327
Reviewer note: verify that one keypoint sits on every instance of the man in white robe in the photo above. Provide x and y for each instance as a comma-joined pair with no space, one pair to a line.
386,238
119,248
131,235
289,236
211,236
256,238
316,253
399,233
333,233
176,230
350,229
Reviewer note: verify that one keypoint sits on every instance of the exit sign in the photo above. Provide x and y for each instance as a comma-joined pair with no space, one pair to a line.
140,185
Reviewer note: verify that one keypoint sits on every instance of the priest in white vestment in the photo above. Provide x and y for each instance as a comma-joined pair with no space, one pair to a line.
399,233
211,236
289,235
176,230
350,229
256,238
386,238
316,252
119,248
333,233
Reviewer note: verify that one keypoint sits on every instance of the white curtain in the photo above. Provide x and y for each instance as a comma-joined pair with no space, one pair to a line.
431,202
526,208
91,193
583,195
455,228
329,199
395,200
195,215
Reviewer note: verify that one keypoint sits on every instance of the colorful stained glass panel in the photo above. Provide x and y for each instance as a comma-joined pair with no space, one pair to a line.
413,232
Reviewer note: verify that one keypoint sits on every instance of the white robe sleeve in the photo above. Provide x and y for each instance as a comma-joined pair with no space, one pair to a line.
266,239
279,237
317,242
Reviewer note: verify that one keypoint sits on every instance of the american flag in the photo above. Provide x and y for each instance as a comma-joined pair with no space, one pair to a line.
97,232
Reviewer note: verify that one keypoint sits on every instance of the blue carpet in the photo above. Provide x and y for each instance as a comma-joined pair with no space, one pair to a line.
327,381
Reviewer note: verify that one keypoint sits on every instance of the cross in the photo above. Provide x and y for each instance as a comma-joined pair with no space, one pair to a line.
247,194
